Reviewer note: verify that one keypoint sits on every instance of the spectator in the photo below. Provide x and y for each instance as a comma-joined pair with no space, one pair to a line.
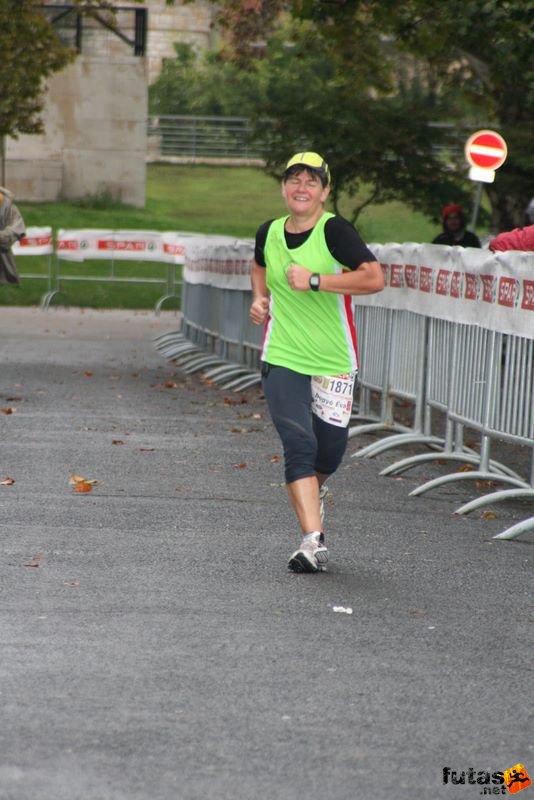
454,232
517,239
11,230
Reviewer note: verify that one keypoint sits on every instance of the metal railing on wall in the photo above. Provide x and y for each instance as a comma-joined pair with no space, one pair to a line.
198,137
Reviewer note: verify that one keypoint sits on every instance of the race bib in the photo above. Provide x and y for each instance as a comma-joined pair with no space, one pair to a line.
332,397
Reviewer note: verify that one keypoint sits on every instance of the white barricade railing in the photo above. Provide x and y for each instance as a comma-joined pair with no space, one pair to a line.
452,332
479,357
77,246
216,332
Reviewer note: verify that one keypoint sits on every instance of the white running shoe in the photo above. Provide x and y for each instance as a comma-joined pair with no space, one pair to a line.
312,555
323,491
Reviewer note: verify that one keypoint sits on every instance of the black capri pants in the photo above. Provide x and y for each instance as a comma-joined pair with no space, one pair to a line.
310,444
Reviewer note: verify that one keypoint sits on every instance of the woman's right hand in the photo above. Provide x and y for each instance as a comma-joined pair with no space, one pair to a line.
259,310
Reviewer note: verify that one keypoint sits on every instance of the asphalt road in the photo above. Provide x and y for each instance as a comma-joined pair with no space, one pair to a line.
154,645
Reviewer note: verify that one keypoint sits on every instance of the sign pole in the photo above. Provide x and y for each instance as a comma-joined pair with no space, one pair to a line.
476,205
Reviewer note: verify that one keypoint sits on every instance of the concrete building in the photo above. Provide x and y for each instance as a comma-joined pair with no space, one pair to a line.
191,23
95,114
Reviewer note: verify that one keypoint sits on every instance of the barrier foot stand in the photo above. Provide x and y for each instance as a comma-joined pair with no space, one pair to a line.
494,497
229,373
375,426
172,336
239,384
400,439
517,529
201,362
370,429
224,371
157,307
468,456
186,359
465,476
177,351
47,299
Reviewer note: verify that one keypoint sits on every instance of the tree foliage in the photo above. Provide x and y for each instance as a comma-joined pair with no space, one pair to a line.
31,50
477,54
204,84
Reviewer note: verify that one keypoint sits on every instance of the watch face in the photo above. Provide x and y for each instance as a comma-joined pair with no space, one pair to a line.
314,281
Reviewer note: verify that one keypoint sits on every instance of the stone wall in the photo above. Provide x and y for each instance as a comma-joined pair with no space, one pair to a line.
190,23
95,135
95,113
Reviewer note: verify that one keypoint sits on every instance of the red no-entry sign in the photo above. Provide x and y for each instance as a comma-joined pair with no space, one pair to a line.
486,150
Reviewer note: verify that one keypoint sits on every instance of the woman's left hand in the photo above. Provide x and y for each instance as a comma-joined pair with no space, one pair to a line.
298,277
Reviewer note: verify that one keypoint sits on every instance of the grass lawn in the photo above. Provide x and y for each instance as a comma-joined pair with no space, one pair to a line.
192,198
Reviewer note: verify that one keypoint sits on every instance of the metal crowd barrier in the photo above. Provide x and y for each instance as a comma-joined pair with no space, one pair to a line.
478,309
451,336
216,335
78,246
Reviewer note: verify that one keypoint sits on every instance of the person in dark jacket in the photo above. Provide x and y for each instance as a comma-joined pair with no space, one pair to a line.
454,232
12,229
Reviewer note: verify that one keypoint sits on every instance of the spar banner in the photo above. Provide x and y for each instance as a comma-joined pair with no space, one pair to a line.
36,242
220,261
173,245
469,285
120,245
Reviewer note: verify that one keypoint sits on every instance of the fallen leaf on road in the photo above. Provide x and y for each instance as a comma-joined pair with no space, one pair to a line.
7,410
80,484
275,459
7,482
117,441
35,562
231,401
78,479
488,515
240,466
82,487
88,373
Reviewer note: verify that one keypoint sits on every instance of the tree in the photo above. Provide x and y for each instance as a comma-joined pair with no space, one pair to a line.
478,51
31,50
376,138
484,49
203,84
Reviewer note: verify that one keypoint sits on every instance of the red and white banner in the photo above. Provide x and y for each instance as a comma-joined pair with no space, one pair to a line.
220,261
477,287
118,245
37,242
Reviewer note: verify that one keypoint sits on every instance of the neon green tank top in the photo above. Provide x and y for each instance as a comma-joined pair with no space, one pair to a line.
309,332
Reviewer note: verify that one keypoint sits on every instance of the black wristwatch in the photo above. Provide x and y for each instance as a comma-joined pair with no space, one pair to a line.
315,282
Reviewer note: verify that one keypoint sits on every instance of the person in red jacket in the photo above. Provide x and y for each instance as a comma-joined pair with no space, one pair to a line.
518,239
